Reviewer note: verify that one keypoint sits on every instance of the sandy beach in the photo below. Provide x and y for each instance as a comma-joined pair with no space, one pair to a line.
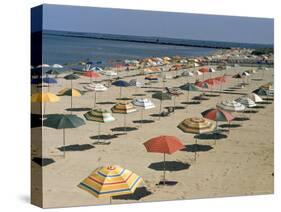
239,164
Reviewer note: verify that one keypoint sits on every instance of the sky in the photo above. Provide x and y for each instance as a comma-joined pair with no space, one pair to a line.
159,24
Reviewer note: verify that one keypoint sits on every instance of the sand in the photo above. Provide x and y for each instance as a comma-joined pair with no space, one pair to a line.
241,164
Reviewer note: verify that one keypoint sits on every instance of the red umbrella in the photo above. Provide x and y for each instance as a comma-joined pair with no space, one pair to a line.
91,74
211,82
204,70
163,144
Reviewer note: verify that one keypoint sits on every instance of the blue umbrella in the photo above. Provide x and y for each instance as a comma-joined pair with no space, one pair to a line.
36,81
121,83
49,81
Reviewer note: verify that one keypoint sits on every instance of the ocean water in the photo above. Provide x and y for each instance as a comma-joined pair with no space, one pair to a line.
72,49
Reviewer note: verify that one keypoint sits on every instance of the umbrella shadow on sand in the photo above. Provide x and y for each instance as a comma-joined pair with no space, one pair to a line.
76,147
241,119
43,161
230,125
259,107
264,103
122,129
251,111
143,121
170,166
151,91
139,193
78,109
106,103
139,94
107,137
191,103
211,136
197,148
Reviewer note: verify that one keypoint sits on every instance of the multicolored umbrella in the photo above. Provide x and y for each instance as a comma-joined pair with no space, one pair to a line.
42,97
121,84
96,87
246,101
144,103
256,98
109,181
231,106
124,107
163,144
196,125
100,116
62,121
162,97
261,91
70,92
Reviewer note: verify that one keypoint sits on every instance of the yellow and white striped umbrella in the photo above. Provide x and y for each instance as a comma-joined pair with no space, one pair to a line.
111,181
44,97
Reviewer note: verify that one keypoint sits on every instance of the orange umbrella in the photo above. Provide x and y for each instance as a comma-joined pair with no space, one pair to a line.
91,74
164,144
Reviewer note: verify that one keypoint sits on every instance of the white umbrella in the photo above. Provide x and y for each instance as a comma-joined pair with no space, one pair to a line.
231,106
144,103
246,101
96,87
256,98
97,69
43,66
57,66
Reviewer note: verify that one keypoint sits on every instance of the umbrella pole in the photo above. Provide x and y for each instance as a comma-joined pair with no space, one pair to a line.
63,133
174,103
98,132
71,104
164,167
110,200
195,152
160,108
95,99
125,128
44,108
120,93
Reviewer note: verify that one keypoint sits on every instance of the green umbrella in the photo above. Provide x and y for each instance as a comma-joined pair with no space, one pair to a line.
71,77
189,87
63,121
52,72
161,96
261,91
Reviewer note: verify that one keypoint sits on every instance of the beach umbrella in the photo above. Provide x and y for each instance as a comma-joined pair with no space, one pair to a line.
123,107
187,74
57,66
231,106
162,97
261,91
49,81
52,72
135,83
163,144
268,86
97,69
189,87
91,75
144,103
71,77
42,97
63,121
217,115
70,92
175,92
211,70
96,87
196,125
109,181
121,84
246,101
151,77
203,71
100,116
43,66
256,98
246,75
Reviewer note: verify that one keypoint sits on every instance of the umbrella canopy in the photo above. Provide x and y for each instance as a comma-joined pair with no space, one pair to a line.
217,115
151,77
261,91
57,66
201,84
91,74
71,77
237,76
63,121
163,144
161,96
123,107
187,73
99,115
211,70
256,98
144,103
231,105
96,87
204,70
69,92
50,80
198,73
189,87
245,73
110,181
121,83
211,82
196,125
246,101
43,66
52,71
268,86
44,97
97,69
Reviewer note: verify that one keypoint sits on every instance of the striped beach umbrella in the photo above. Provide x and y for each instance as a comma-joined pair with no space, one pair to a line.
96,87
70,92
163,144
246,101
109,181
256,98
100,116
196,125
63,121
143,103
231,106
124,107
43,98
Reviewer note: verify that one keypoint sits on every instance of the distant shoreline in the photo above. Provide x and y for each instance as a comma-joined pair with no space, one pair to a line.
157,40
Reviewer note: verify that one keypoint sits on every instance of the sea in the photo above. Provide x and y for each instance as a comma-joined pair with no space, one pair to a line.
60,47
